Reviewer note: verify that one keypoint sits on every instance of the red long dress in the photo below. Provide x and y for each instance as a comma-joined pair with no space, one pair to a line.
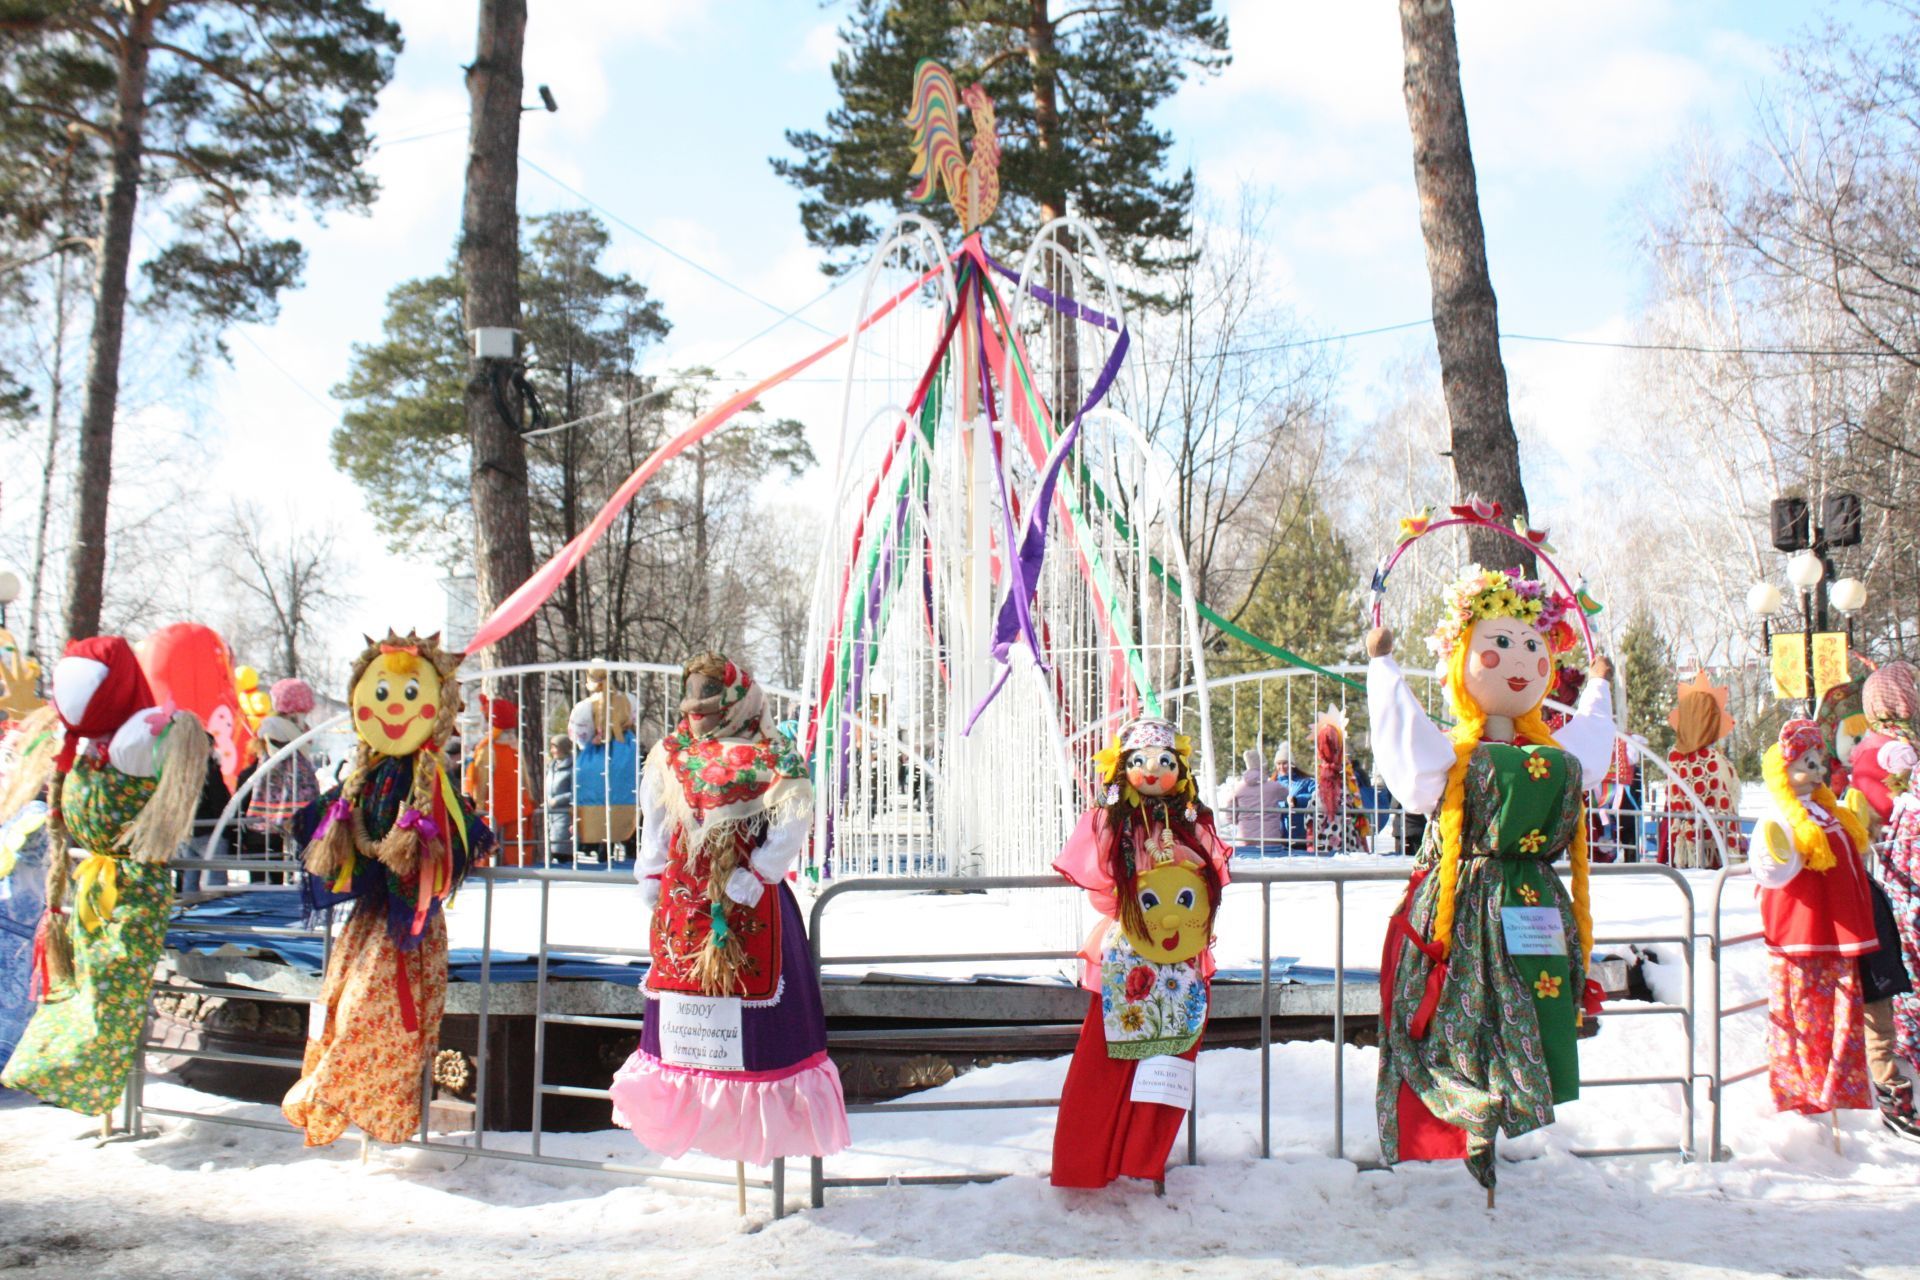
1101,1133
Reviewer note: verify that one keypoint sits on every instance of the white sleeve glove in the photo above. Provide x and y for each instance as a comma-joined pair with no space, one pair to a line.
650,891
1411,754
744,887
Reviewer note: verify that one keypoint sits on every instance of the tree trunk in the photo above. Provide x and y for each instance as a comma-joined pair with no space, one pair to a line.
87,558
1466,326
57,378
490,261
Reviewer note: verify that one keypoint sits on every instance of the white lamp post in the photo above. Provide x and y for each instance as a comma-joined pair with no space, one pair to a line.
1849,595
1805,570
1764,600
10,586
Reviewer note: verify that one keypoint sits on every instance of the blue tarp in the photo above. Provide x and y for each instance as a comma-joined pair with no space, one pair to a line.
208,926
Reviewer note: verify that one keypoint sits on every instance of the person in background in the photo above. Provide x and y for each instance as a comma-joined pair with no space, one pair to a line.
559,795
492,780
1261,806
289,784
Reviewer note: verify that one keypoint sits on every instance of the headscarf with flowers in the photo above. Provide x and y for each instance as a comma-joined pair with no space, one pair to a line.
1797,738
718,780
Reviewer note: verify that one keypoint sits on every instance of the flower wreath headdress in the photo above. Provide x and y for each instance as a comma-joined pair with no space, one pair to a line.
1480,594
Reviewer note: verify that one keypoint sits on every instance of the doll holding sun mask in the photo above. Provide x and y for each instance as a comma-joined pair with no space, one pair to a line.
1485,973
1154,867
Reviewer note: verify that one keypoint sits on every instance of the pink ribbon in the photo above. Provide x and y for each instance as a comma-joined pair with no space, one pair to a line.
338,811
414,820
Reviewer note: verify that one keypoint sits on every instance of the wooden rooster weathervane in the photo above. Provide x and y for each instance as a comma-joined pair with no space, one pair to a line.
972,182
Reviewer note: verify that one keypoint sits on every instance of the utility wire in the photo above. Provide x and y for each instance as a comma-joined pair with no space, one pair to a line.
672,252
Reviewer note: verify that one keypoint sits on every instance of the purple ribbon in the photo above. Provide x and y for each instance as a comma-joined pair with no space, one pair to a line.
1065,306
1016,610
414,820
338,811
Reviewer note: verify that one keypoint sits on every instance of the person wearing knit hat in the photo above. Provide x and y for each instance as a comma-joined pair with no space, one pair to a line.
122,783
285,782
1816,914
492,780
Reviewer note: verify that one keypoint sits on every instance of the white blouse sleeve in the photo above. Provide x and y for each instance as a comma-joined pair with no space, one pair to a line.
1771,854
652,859
1410,752
1588,736
781,849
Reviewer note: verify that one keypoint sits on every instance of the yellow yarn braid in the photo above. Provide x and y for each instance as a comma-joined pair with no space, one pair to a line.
1808,836
1467,733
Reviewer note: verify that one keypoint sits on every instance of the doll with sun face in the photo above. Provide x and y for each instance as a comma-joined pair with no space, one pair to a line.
395,839
1153,867
1484,980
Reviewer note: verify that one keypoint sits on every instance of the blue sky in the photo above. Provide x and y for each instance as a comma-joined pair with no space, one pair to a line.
670,109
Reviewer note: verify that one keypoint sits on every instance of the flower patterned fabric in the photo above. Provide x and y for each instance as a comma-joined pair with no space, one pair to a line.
1500,1050
1717,788
1816,1037
1899,868
23,897
80,1043
383,1018
1149,1009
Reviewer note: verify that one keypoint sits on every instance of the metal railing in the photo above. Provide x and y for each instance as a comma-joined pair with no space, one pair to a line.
1719,945
135,1105
1266,877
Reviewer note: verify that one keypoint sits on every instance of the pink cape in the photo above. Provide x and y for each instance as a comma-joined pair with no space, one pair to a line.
1082,862
751,1116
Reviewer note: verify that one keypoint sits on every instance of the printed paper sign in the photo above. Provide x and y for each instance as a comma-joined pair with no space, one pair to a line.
317,1020
1166,1079
1534,931
700,1031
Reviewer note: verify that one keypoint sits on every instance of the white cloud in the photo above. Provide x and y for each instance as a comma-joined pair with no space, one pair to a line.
817,49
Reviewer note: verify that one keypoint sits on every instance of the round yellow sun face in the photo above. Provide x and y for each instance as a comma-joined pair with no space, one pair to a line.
1173,899
395,703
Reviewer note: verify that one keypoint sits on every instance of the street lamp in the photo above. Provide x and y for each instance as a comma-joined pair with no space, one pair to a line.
1810,570
10,586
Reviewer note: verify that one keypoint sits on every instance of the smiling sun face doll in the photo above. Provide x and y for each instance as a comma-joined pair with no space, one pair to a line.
1154,868
394,839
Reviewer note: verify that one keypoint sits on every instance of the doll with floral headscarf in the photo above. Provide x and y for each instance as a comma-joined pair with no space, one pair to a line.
394,839
125,778
1484,978
727,810
1153,867
1710,802
1816,913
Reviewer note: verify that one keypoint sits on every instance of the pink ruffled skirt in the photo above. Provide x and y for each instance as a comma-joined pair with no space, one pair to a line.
752,1116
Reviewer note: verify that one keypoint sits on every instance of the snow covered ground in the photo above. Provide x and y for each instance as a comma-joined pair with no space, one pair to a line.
203,1200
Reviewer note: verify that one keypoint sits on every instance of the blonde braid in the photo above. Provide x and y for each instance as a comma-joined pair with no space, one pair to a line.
1471,725
59,870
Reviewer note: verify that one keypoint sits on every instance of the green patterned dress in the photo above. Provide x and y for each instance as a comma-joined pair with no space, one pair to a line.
1500,1049
79,1046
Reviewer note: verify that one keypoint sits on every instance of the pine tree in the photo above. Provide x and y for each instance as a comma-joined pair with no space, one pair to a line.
1646,670
659,585
1073,91
238,110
